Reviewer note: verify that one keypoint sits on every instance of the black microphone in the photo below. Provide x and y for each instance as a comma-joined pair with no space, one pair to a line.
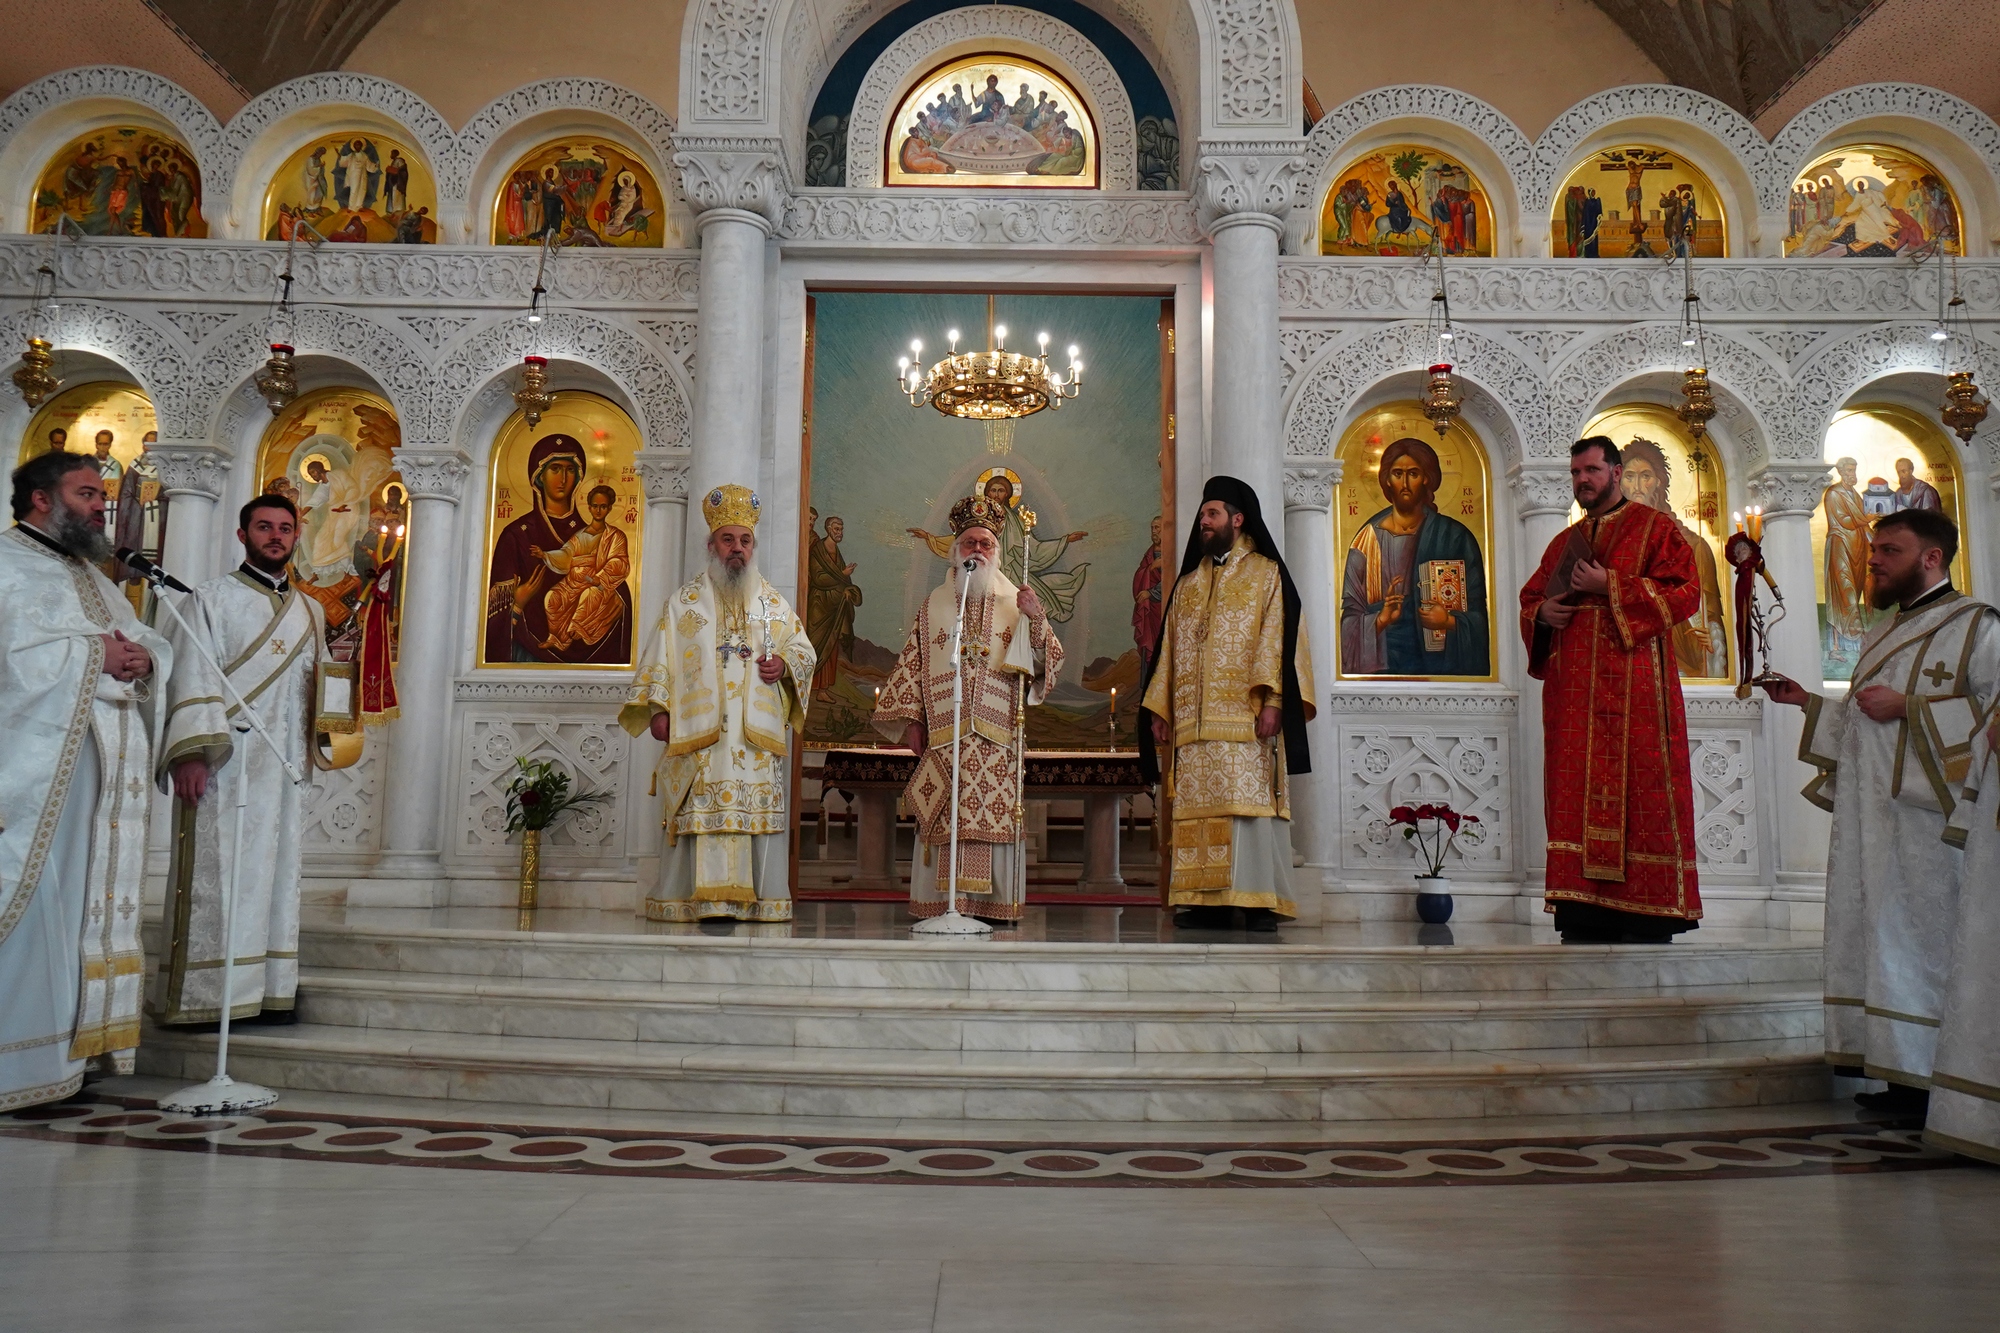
151,572
970,565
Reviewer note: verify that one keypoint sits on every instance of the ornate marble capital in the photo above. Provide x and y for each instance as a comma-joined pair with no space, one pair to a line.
1238,183
436,475
191,469
1311,488
663,473
1790,492
733,177
1543,491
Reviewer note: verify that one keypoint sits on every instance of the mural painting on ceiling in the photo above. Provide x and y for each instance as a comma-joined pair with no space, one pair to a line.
1414,527
1406,200
332,453
582,192
992,120
562,576
1664,207
1883,458
124,180
1082,486
354,186
1871,202
1665,469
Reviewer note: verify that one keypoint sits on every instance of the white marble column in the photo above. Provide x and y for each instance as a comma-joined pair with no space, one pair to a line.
1309,491
1543,498
665,476
736,188
1789,494
193,478
1243,193
414,811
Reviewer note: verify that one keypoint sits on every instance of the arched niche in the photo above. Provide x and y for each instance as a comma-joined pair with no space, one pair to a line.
1852,119
1498,216
270,147
1585,227
561,544
1871,201
1880,429
1725,192
585,129
1414,568
127,177
40,118
333,453
1668,469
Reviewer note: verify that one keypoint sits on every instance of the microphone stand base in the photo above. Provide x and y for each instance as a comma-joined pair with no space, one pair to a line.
951,923
221,1095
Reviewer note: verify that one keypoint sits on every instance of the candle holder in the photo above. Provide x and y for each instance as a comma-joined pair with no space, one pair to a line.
1745,554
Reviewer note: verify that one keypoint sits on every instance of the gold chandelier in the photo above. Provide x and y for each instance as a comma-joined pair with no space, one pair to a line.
993,385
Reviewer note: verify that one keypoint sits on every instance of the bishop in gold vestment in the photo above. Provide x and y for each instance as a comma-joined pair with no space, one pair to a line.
728,671
1011,658
1230,694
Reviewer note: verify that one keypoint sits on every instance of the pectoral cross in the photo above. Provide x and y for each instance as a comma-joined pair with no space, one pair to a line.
277,647
1937,674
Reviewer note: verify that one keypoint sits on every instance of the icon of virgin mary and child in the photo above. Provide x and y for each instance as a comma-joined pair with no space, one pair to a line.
558,591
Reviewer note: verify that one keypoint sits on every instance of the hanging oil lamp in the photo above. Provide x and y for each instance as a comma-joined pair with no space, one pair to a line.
534,396
36,378
1697,406
1965,403
1442,399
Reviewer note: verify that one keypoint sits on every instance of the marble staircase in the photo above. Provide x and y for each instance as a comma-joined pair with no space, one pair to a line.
1035,1031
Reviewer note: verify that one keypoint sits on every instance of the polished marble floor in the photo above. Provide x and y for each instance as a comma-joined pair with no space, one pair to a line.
95,1234
1080,925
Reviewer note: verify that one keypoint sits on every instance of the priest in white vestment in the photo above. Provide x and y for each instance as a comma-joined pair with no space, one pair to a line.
1892,755
725,678
1011,659
1965,1080
271,640
77,671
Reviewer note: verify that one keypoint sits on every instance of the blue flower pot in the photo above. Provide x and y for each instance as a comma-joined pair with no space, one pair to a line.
1433,900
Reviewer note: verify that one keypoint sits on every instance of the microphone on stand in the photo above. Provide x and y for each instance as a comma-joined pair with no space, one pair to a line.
149,571
969,565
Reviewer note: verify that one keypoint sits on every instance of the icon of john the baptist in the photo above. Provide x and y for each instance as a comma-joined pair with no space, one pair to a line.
517,621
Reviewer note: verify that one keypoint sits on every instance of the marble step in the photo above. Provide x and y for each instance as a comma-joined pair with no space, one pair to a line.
1005,1085
936,1019
1015,967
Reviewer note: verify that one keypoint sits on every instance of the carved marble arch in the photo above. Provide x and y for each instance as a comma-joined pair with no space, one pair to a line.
154,356
1726,146
278,123
1586,376
751,67
608,358
1509,399
335,345
1491,144
1003,31
1843,371
1959,138
37,120
1726,192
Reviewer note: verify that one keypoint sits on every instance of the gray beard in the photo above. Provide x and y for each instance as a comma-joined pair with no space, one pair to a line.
734,585
76,534
984,580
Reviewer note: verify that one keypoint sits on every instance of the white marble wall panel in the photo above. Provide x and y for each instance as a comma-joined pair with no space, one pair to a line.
581,735
344,811
1418,748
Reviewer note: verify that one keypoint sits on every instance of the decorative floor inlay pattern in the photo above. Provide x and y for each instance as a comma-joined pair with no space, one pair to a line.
1808,1150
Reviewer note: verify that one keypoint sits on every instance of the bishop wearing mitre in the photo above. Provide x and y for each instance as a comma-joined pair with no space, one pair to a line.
1229,696
271,640
726,676
78,681
1011,659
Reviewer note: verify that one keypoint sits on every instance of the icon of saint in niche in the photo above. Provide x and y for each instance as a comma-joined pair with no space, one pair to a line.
1413,598
1701,643
522,587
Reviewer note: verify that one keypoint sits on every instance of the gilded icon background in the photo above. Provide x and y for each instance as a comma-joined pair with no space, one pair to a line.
1403,199
992,120
115,422
356,185
1666,470
1868,201
1883,457
1637,202
332,453
1414,530
123,180
564,538
582,191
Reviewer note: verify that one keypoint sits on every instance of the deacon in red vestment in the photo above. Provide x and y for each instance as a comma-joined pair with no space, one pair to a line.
1598,617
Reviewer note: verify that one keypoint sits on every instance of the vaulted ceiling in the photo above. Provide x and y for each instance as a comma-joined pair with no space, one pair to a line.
1743,52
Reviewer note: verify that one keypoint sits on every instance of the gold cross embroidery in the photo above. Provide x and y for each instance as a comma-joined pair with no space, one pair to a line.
277,647
1937,674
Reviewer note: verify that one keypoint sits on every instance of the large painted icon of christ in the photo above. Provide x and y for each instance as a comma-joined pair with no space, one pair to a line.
1413,592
